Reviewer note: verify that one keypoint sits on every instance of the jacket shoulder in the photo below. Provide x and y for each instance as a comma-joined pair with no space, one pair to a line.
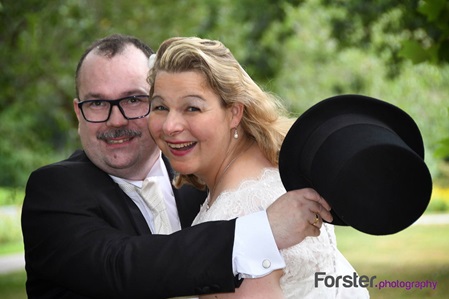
78,164
78,157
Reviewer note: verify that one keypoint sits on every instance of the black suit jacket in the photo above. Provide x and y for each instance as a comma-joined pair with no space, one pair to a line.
85,238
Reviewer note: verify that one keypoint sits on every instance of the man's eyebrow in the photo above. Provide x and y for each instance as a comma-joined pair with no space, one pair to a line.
122,95
92,96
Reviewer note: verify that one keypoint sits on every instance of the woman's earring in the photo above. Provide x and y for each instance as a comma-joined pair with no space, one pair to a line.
236,134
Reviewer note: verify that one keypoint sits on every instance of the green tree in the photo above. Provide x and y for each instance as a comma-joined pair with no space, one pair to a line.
402,30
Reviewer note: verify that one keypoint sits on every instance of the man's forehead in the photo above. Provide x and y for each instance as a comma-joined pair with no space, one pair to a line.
101,79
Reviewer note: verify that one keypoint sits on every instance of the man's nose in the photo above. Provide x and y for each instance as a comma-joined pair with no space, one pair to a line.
116,119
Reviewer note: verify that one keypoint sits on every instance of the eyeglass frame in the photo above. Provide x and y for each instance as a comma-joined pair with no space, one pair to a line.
113,103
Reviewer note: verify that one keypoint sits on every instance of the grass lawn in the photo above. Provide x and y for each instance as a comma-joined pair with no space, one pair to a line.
419,253
11,248
12,286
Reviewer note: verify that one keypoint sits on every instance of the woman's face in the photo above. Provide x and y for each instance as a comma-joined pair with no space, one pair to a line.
190,124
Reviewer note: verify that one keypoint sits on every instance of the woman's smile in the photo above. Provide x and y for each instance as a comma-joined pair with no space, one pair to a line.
181,148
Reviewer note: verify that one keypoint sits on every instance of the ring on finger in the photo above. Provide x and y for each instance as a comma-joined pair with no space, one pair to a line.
317,218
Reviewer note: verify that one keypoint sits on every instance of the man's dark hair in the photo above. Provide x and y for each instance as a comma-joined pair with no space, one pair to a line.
109,47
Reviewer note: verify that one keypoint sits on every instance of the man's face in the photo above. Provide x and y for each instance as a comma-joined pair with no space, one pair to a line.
120,147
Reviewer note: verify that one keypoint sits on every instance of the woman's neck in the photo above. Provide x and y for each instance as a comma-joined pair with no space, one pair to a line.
228,162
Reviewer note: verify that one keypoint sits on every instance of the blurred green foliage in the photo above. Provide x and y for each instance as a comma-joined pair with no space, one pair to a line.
10,229
11,196
303,50
12,286
416,30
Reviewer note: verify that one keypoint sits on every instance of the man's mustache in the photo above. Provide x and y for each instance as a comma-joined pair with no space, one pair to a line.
118,133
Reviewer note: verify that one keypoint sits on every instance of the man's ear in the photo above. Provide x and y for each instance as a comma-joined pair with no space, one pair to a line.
237,114
77,109
77,112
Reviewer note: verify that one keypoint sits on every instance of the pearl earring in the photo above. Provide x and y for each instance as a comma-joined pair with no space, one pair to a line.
236,134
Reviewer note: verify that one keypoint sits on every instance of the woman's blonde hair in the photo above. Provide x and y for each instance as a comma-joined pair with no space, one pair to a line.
264,117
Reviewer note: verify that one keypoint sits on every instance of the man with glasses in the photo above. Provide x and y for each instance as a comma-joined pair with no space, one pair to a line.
88,236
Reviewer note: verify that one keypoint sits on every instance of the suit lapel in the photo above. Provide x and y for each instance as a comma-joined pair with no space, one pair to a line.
124,206
135,214
188,199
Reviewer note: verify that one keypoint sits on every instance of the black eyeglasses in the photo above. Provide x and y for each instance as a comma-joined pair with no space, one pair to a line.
131,107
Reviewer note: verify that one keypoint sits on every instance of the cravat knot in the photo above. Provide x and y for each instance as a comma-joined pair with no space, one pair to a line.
151,193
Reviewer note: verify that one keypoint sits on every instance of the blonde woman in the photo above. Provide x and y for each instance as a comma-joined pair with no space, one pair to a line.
222,132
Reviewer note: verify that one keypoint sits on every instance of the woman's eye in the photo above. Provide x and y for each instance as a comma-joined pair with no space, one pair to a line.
158,108
193,109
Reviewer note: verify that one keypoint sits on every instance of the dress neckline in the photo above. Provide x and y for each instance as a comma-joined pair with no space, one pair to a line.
243,184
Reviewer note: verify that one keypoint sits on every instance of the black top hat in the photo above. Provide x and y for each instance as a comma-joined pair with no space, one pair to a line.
365,157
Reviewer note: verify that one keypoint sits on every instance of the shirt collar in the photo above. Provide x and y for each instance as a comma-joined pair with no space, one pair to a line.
158,170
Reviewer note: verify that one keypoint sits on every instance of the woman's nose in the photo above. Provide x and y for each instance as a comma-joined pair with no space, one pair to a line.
173,124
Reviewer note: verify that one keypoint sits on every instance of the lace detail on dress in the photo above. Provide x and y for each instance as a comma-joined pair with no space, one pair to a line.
252,195
314,254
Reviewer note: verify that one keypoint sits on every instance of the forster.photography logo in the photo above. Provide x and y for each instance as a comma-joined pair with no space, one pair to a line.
364,281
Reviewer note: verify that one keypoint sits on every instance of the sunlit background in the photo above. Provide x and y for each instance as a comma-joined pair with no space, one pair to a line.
304,51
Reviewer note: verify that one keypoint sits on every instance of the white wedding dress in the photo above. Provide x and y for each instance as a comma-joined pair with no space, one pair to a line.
314,254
